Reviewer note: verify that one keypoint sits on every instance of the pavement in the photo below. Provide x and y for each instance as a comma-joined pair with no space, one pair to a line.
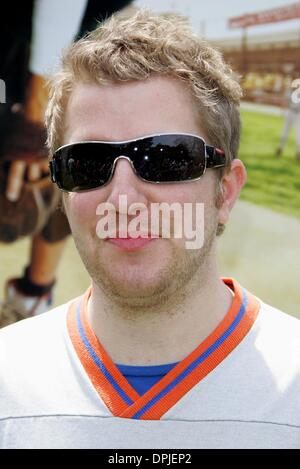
263,108
260,248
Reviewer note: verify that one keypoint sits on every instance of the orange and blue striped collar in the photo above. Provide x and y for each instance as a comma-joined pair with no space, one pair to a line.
115,391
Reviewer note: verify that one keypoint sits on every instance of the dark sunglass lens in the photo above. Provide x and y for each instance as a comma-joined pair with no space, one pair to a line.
83,166
170,158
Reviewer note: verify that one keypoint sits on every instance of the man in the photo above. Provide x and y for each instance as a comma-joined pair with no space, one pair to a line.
159,352
292,119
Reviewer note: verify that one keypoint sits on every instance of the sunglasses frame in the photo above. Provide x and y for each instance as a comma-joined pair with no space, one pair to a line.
214,158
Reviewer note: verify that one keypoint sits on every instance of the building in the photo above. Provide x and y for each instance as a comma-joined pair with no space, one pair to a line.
267,63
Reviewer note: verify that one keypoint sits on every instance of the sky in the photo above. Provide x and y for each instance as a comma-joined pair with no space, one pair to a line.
209,17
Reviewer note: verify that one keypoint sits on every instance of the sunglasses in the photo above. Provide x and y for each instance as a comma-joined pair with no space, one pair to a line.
162,158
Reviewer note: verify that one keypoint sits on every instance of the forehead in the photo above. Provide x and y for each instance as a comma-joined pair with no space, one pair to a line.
123,111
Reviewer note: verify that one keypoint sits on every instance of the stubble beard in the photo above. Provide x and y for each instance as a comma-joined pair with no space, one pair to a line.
184,271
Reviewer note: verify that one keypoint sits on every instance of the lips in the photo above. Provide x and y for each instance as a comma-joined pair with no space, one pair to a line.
132,244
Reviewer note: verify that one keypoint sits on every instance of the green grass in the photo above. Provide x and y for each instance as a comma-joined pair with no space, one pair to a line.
272,182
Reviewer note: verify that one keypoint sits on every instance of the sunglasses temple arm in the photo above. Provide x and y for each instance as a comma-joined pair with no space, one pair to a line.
52,167
215,157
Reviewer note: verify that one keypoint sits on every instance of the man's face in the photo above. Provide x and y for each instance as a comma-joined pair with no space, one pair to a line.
119,112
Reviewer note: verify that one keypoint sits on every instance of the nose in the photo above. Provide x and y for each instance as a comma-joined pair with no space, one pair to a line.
126,182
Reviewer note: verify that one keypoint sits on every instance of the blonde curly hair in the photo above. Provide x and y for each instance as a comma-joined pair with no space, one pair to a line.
136,47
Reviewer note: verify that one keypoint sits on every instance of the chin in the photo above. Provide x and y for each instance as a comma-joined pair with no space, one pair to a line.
137,279
135,284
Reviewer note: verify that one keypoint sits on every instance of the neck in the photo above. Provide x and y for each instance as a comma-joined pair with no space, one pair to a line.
163,334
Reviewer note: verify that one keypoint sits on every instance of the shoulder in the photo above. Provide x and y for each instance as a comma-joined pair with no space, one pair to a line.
31,327
275,339
27,342
277,330
37,374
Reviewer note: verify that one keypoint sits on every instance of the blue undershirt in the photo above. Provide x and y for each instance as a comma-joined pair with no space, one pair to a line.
143,378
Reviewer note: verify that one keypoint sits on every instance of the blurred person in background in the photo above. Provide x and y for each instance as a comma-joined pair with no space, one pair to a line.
32,36
292,120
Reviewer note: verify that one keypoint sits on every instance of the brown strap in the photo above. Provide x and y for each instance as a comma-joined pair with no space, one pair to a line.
24,140
44,211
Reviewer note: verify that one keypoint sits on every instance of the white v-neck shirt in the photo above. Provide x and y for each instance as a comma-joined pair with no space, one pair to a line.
251,399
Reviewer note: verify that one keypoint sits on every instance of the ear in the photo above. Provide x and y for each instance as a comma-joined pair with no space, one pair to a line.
231,184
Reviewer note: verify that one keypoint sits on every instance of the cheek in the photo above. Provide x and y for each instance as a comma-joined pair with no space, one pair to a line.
82,207
189,192
181,193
